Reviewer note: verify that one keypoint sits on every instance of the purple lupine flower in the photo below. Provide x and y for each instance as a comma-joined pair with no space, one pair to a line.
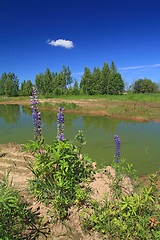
36,116
117,148
60,124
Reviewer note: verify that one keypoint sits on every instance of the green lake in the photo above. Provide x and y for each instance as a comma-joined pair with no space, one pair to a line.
139,140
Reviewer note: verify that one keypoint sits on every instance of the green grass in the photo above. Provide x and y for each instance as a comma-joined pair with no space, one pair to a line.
145,97
67,106
47,105
114,109
154,97
7,99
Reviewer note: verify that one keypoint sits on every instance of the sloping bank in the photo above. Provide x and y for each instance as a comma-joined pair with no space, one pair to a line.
105,182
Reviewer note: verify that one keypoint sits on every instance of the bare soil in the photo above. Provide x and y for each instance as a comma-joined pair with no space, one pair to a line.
13,159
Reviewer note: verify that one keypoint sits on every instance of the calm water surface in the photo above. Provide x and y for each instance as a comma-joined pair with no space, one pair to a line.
139,141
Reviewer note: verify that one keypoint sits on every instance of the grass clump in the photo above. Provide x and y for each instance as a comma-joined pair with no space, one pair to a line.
47,105
68,105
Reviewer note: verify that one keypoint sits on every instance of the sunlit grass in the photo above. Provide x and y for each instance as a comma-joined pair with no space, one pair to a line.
67,106
145,97
153,97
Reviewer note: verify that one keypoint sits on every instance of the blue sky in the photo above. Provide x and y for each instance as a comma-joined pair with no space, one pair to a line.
35,35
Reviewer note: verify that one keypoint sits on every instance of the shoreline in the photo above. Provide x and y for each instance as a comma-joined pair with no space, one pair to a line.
126,110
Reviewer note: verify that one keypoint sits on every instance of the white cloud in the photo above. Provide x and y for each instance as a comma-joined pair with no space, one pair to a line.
61,42
138,67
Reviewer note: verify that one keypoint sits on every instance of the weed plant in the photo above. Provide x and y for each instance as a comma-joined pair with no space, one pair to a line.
15,215
59,175
126,216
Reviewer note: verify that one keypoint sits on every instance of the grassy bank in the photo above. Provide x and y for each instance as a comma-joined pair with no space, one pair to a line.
153,97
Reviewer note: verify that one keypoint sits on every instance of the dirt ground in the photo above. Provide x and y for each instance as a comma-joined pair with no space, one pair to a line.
12,158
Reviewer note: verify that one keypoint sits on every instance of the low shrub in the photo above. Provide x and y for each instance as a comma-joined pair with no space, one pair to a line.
59,174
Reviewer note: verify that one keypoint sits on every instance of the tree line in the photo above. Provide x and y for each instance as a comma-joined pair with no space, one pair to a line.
106,81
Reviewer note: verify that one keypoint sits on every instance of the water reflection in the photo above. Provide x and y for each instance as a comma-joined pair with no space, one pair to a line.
100,122
49,117
10,113
97,122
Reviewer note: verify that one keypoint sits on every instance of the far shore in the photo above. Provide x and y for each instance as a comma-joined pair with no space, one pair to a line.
131,110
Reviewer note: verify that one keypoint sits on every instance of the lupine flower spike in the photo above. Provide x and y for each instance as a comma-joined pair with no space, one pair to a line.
117,148
36,116
60,124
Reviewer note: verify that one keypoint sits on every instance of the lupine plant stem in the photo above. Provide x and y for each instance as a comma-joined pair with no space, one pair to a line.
36,116
60,125
117,148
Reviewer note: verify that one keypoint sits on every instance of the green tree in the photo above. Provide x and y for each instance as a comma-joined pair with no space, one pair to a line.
104,79
47,82
29,87
22,91
8,87
2,83
144,86
75,90
39,83
116,84
86,81
96,86
26,88
60,80
11,85
113,68
67,75
57,83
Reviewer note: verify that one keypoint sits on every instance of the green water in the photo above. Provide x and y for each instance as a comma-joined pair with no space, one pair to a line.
139,141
